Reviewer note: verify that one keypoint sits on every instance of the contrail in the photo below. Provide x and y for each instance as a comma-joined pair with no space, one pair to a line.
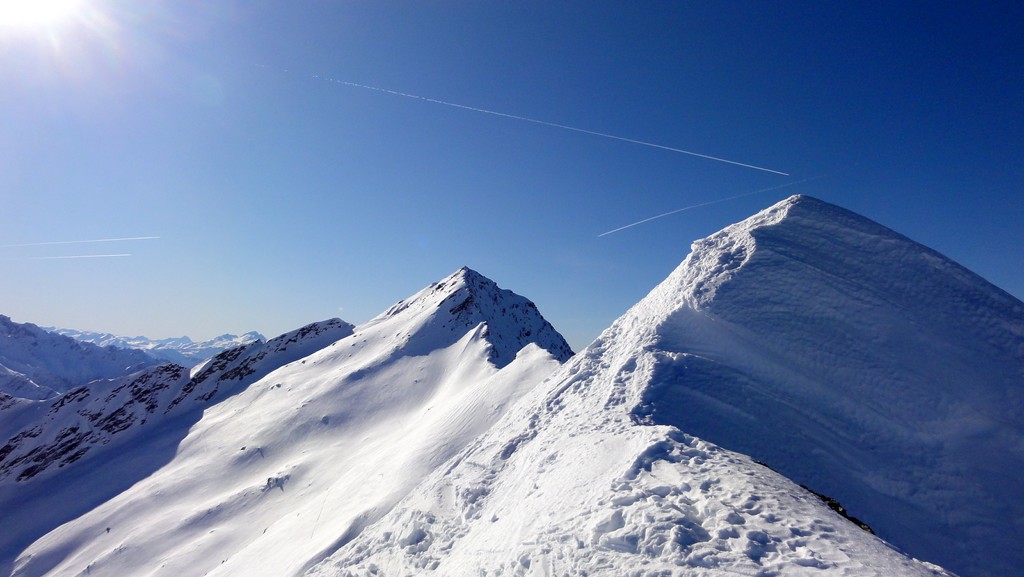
68,257
553,125
712,202
78,241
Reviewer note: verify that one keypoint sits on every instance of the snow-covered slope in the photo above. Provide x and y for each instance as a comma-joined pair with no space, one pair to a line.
65,455
36,364
828,348
857,362
179,350
104,410
276,477
837,352
579,479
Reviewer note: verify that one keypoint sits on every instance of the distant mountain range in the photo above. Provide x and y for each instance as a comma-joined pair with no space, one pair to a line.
801,368
37,364
180,350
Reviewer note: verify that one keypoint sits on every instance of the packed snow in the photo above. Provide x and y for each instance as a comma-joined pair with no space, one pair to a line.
857,362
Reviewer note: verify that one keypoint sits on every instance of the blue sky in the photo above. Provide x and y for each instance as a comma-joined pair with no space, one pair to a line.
281,197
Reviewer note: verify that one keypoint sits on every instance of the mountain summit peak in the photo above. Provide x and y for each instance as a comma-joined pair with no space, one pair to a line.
447,309
851,359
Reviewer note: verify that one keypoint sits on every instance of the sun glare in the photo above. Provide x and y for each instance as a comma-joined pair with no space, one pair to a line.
32,13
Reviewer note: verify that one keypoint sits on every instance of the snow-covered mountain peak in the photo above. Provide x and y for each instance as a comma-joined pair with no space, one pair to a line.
443,312
594,471
851,359
319,447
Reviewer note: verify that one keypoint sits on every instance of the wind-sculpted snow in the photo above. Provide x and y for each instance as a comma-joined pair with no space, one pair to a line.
567,483
37,365
857,362
277,476
444,437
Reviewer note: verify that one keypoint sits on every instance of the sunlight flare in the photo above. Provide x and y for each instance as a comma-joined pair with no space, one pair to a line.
34,13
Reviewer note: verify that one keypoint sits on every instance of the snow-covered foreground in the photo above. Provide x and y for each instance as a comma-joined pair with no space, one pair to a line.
856,362
568,484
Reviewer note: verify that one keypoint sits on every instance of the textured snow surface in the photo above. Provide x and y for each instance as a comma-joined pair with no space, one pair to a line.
179,350
567,483
277,476
36,364
854,361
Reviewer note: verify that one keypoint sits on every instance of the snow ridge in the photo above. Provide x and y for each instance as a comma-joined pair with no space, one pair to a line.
85,417
65,455
94,414
854,361
568,483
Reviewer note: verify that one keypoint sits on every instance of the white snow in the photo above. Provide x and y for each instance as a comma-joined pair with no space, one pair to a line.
318,449
854,361
568,484
445,437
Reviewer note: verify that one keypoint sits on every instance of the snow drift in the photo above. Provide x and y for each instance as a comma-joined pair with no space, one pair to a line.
857,362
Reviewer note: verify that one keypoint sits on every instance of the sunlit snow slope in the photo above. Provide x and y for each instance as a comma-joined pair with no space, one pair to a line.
857,362
63,456
586,475
274,478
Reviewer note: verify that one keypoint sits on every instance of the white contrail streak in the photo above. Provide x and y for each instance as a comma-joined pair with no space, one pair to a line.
692,206
554,125
68,257
55,242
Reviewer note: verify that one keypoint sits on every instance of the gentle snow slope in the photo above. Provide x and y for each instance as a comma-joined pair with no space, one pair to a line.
276,477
